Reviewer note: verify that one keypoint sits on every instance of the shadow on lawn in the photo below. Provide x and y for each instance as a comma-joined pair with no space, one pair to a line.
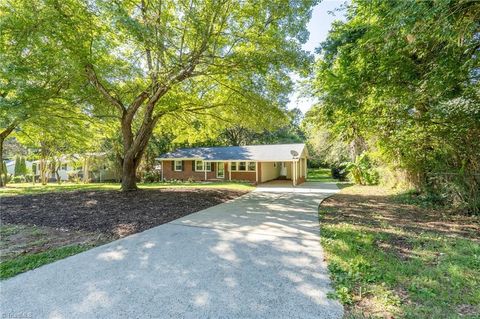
194,268
112,213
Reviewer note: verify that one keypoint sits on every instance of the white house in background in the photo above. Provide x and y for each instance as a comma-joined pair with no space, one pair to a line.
69,164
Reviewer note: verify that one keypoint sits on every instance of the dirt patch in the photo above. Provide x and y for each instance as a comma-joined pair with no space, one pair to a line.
413,235
16,240
372,206
35,223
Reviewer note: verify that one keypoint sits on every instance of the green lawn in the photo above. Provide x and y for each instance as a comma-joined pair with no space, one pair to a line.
12,267
320,175
28,188
389,260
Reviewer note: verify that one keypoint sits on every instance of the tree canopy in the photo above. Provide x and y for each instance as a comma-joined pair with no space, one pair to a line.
147,60
400,80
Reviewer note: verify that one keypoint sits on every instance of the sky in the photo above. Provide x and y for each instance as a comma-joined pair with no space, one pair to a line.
319,25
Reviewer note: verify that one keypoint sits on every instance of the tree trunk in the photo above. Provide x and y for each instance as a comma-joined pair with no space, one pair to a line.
3,136
43,171
133,149
129,172
1,164
86,169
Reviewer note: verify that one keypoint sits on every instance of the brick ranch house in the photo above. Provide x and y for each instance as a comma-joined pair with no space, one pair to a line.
254,163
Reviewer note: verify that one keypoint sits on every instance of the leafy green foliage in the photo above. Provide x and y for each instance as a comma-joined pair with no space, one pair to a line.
403,77
20,166
362,170
401,270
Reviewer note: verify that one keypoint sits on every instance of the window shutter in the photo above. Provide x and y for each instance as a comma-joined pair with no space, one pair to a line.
183,165
212,166
194,168
173,166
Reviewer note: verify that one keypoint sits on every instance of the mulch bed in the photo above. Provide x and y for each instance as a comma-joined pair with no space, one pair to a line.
112,213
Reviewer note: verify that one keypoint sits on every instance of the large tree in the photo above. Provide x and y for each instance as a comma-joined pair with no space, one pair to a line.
148,59
32,72
401,79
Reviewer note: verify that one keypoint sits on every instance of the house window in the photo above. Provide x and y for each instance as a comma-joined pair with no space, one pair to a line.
201,165
251,166
242,166
178,166
233,166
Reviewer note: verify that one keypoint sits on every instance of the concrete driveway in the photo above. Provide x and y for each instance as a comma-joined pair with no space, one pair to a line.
255,257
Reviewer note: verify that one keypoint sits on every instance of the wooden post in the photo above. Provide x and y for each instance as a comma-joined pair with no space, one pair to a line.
229,171
205,169
256,172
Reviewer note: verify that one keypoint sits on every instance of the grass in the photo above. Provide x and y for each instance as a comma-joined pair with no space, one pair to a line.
320,175
385,264
29,189
24,247
10,268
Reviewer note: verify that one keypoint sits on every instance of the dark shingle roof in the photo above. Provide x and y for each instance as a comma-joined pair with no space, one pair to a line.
274,152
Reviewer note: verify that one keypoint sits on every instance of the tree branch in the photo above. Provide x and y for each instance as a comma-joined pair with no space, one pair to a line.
92,76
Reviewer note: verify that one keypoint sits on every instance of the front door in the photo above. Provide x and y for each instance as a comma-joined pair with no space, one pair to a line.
220,170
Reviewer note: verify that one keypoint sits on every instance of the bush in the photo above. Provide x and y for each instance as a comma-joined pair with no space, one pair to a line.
19,179
362,171
339,172
151,177
73,176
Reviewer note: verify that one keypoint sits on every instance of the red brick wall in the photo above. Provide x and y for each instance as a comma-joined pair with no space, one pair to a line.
169,173
248,176
188,172
244,176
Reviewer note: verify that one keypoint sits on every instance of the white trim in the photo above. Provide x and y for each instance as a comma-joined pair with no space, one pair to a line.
294,173
204,166
163,166
256,172
217,166
306,170
175,166
237,166
229,171
178,159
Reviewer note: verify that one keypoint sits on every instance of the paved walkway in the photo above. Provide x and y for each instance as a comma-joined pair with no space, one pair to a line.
255,257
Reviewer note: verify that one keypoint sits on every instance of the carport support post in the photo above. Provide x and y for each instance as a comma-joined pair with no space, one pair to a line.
205,169
306,169
256,172
294,173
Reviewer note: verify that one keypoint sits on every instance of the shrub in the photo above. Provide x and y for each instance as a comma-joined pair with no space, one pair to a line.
339,172
362,171
151,177
73,176
19,179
